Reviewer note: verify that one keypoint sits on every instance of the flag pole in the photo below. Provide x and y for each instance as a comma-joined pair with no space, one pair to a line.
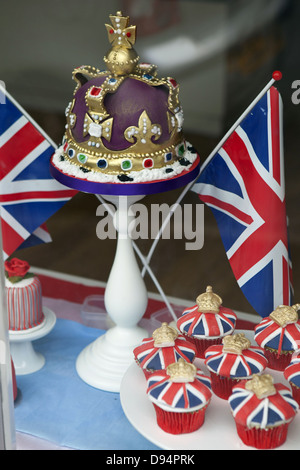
276,76
24,112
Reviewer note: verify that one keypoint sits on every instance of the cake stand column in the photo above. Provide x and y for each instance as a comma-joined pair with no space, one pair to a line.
103,363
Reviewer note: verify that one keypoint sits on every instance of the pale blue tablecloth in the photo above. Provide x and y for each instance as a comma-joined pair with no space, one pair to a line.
56,405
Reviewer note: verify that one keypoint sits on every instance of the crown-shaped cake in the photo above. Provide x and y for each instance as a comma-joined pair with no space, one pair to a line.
262,385
209,301
284,314
123,119
164,336
235,343
182,371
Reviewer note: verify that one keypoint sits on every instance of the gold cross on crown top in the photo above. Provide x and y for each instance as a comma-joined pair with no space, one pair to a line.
119,32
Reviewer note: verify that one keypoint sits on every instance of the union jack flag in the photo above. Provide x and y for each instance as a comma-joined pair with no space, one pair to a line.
249,410
29,195
243,184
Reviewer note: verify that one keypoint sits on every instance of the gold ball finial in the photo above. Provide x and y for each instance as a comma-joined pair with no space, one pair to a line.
121,59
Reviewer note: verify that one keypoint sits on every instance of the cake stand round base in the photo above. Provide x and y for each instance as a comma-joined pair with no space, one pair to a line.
26,360
103,363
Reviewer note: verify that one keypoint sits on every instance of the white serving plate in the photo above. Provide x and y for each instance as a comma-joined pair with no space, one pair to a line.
218,431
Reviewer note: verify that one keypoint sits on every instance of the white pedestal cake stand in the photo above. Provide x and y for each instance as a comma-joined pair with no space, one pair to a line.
103,363
26,359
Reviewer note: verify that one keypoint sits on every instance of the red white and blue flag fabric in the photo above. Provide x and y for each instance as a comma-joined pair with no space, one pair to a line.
29,195
243,183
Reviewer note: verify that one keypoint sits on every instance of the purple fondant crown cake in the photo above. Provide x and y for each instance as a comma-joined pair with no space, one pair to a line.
124,124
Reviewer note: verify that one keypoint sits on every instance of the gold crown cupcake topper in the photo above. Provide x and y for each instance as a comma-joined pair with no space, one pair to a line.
209,301
284,314
182,371
236,343
261,385
164,336
121,59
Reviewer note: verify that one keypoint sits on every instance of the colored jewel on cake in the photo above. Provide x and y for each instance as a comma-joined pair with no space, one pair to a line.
180,396
24,296
207,322
279,335
165,347
124,124
263,411
292,375
232,361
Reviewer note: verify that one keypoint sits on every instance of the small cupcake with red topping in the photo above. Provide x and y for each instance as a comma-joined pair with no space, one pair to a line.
292,375
262,411
165,347
207,322
232,361
279,335
180,395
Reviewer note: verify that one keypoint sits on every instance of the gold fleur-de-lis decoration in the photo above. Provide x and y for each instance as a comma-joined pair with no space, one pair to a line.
145,132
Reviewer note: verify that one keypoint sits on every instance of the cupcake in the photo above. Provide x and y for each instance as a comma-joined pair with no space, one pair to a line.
292,375
207,322
279,335
262,411
180,395
164,347
232,361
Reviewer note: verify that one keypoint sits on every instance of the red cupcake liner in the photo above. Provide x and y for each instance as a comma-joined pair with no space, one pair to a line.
202,344
278,361
222,386
263,438
179,423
